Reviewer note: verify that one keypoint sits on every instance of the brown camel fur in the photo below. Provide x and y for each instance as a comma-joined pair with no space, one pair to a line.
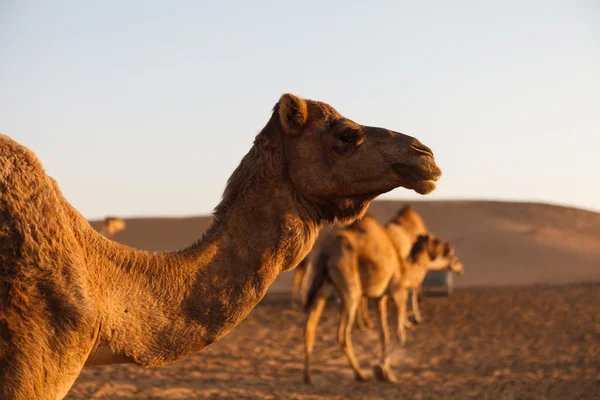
362,262
69,297
299,290
299,272
404,229
414,273
406,226
111,226
326,234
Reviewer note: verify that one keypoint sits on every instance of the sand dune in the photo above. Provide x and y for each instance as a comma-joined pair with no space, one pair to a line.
500,243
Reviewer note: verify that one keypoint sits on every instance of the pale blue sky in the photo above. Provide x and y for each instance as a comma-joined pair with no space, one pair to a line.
157,102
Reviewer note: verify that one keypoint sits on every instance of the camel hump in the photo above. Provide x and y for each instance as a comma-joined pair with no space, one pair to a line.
28,196
17,159
406,209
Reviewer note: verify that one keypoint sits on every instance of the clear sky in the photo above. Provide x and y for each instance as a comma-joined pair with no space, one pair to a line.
146,107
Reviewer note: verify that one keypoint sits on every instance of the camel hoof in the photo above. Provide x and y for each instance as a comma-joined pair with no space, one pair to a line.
307,380
408,324
384,374
418,320
360,378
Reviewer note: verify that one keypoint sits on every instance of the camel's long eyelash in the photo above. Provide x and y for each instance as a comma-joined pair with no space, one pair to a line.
350,137
347,138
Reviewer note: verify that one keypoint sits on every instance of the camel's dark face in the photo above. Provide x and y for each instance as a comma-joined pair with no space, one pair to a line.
443,252
343,165
457,266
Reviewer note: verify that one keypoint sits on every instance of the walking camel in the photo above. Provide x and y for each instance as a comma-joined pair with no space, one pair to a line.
362,261
404,228
111,226
299,290
414,273
326,234
71,298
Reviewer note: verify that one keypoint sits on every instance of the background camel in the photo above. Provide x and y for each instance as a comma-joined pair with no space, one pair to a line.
413,273
326,234
361,261
406,226
70,297
111,226
299,290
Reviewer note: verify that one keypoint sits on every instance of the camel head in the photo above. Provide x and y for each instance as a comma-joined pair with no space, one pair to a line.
436,253
454,265
340,165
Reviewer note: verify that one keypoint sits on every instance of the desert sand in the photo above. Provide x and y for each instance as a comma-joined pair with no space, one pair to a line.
524,322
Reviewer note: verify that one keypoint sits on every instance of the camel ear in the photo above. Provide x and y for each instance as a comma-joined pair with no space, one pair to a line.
293,113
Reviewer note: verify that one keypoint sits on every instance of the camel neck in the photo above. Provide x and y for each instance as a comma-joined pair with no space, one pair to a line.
165,306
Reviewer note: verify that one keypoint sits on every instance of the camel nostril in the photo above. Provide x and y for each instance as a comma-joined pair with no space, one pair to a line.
421,148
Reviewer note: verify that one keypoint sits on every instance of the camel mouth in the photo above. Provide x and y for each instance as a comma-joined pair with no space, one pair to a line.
421,180
425,187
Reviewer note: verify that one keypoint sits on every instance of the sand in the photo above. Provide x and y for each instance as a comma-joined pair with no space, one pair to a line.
524,322
486,343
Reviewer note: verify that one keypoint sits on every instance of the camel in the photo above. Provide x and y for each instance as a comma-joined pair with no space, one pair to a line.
406,225
404,228
111,226
325,236
69,297
414,273
362,261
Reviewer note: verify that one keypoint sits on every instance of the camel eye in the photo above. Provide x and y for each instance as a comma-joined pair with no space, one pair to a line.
346,138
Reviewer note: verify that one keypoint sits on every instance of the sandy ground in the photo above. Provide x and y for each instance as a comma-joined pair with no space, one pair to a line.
537,342
524,323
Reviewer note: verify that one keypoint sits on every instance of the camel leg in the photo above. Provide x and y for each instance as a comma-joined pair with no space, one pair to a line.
360,320
364,307
400,297
362,317
298,274
415,306
383,371
314,314
349,307
341,325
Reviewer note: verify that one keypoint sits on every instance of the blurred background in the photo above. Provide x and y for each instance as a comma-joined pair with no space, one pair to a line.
142,109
